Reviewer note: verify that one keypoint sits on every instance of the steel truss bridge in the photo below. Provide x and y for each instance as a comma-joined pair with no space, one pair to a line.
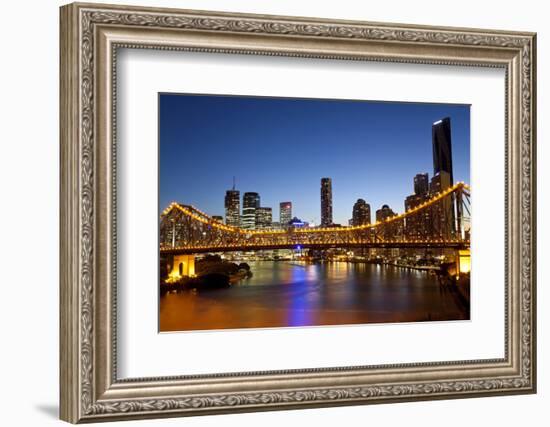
441,221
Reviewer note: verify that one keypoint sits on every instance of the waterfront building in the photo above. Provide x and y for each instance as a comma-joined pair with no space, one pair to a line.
298,223
326,202
421,184
264,218
285,213
390,231
442,213
361,213
384,212
232,208
251,202
417,225
393,230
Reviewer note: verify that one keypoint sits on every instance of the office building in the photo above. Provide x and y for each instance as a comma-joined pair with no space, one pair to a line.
251,202
442,213
384,212
391,231
417,224
326,202
361,213
421,184
232,208
264,218
285,213
442,147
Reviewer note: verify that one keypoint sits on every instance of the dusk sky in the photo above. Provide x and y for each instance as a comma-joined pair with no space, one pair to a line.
281,148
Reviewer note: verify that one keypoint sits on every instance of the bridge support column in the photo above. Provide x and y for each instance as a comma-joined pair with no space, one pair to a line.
183,265
462,261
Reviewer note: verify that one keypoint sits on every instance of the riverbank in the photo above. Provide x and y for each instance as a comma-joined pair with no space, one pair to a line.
211,273
413,267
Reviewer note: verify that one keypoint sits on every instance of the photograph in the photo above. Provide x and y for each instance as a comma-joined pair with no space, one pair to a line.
285,212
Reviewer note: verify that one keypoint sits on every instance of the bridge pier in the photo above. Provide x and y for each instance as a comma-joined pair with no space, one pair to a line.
182,265
462,261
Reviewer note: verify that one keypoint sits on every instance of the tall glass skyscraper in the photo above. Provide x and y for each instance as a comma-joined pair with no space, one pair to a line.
443,214
233,208
326,202
251,201
285,213
441,146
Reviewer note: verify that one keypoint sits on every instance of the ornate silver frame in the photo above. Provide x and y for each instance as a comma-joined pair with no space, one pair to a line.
90,36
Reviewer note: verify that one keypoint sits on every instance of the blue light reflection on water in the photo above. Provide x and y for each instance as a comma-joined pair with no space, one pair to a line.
298,313
311,292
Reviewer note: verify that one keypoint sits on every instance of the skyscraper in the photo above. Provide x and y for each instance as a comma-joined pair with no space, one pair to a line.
421,184
416,225
443,213
326,202
392,230
442,148
440,182
384,212
264,218
251,202
232,208
285,213
361,213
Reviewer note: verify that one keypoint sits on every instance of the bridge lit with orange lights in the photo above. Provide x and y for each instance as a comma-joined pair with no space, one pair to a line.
437,222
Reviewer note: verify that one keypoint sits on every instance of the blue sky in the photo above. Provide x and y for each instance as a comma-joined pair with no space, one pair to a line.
282,147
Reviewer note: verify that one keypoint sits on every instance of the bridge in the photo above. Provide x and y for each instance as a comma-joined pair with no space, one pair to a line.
435,222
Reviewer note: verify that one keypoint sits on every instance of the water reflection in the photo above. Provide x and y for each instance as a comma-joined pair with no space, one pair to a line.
297,294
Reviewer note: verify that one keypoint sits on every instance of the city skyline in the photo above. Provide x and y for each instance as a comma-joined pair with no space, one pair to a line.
376,183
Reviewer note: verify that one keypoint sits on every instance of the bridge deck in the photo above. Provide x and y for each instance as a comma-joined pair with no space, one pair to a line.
372,245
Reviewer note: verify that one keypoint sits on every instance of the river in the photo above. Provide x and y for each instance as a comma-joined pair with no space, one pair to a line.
296,294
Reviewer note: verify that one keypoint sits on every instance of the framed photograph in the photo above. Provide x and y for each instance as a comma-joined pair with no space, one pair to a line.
324,259
266,212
